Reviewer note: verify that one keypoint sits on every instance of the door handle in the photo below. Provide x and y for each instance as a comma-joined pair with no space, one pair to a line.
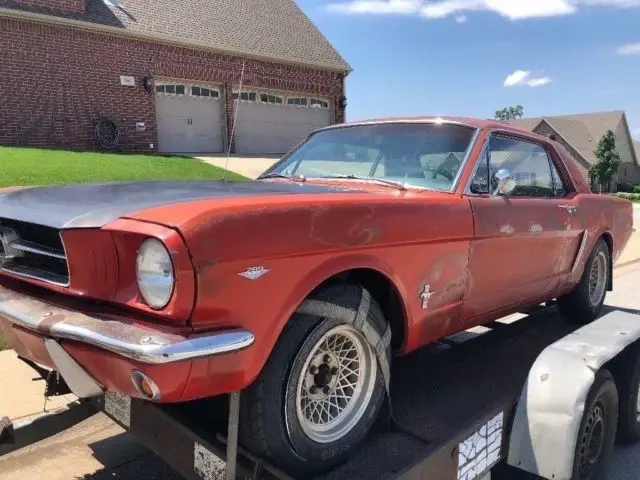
569,208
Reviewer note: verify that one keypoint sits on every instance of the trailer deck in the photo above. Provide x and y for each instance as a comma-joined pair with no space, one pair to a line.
450,406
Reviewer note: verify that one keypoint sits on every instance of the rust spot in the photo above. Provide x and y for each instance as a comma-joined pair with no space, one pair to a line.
204,265
544,377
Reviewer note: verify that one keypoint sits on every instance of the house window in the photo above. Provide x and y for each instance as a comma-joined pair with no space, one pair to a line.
317,103
204,92
272,99
299,101
245,96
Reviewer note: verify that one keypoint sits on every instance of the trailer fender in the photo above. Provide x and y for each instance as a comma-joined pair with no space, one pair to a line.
550,407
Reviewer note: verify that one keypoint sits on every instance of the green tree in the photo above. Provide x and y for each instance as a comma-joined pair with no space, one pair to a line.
510,113
603,171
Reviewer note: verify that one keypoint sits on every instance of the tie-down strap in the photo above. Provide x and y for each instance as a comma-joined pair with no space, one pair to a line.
360,320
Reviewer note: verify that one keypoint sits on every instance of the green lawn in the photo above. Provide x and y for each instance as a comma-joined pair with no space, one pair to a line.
34,166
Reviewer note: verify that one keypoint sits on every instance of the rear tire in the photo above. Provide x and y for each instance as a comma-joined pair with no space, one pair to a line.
300,413
629,387
584,303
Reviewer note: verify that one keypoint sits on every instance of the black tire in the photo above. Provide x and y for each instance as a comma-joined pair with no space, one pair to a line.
269,426
577,306
628,386
597,433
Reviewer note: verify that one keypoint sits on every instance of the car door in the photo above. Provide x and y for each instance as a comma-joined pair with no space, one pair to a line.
520,240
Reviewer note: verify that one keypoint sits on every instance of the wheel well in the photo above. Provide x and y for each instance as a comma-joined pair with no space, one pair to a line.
383,291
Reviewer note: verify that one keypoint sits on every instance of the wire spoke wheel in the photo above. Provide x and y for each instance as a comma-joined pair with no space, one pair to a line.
598,278
336,384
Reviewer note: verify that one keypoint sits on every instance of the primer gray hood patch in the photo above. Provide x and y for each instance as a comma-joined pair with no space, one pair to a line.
92,205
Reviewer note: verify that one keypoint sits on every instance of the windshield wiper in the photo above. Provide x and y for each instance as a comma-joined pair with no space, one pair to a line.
295,178
381,181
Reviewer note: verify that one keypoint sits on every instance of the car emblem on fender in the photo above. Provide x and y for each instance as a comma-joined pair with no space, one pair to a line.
254,273
425,295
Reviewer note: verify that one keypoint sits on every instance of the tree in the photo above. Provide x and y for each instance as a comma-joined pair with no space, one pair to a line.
603,171
510,113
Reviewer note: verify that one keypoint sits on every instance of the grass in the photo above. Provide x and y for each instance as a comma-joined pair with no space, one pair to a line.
34,166
634,197
3,344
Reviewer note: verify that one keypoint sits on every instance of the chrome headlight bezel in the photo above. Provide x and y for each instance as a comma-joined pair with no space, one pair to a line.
161,267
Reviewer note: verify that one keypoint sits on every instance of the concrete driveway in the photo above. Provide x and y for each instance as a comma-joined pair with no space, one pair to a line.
248,165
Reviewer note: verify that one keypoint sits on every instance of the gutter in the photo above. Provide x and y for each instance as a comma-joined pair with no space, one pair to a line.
42,18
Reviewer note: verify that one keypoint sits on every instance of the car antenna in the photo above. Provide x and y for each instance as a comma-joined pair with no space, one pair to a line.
233,124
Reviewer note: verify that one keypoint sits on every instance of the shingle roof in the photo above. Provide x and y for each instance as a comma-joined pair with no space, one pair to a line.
582,131
274,29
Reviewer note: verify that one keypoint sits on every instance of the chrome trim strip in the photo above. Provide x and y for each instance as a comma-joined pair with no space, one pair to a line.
48,277
125,339
31,247
465,160
580,253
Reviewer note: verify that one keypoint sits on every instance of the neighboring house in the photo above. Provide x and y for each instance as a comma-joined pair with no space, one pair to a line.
581,133
168,73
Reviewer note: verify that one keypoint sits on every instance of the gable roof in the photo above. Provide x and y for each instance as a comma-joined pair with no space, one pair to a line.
581,131
276,30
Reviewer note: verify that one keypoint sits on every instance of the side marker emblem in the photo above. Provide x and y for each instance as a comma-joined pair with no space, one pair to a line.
254,273
425,295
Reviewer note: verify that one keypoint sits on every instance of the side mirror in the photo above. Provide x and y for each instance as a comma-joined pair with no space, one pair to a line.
504,183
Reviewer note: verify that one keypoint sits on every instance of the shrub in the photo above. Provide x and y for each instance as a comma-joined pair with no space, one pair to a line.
636,188
634,197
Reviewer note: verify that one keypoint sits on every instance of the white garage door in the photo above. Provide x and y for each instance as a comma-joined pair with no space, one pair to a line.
274,123
189,118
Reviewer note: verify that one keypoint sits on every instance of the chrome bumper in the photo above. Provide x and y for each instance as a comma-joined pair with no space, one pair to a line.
118,336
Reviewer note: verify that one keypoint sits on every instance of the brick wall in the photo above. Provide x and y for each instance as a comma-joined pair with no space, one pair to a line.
55,81
57,5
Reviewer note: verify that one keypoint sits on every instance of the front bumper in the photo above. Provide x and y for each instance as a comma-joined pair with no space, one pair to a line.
122,337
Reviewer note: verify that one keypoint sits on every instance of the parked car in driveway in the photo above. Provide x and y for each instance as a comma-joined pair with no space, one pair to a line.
366,241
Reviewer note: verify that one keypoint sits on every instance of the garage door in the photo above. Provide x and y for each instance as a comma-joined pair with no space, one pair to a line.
273,123
189,118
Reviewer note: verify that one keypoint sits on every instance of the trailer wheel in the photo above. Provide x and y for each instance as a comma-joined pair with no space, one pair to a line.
584,303
320,391
597,434
629,387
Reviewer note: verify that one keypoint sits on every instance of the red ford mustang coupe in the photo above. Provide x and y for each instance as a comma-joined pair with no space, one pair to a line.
367,240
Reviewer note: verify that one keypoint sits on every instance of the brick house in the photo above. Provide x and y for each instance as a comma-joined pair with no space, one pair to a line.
169,74
580,135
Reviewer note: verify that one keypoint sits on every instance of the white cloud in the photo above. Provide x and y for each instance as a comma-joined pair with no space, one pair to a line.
511,9
629,49
524,77
461,19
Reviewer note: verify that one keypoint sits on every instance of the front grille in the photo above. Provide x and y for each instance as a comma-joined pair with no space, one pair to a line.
33,251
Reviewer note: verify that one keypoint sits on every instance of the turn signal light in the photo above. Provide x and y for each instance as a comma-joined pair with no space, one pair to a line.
145,385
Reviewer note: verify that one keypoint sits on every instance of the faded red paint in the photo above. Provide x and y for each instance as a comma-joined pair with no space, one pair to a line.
482,257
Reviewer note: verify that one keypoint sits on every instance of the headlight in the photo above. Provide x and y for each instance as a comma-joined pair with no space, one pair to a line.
154,271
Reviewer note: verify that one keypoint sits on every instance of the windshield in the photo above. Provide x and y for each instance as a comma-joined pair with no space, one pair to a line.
427,155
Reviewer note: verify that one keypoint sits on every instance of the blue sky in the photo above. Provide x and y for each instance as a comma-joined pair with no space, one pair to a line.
472,57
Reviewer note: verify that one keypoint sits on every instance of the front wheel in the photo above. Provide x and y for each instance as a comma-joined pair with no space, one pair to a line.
585,302
319,393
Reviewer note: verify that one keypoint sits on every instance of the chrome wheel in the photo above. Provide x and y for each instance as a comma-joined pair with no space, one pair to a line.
336,384
598,278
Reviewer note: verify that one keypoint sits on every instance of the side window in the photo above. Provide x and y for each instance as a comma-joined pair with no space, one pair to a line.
558,185
529,164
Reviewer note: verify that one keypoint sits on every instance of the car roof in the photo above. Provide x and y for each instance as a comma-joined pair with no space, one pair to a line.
469,121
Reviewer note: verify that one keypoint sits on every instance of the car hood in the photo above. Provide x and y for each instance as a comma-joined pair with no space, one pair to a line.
93,205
